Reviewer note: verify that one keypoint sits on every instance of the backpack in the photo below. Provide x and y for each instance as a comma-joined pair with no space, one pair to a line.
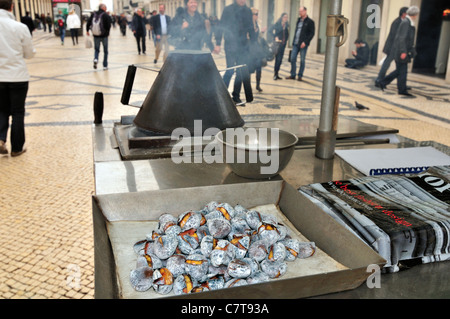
97,24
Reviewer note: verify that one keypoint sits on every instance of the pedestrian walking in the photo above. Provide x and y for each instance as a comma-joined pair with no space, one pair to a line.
61,25
256,52
14,78
304,33
44,24
28,22
361,55
160,23
48,20
403,52
100,25
152,34
74,25
139,29
188,29
388,45
123,24
236,28
280,33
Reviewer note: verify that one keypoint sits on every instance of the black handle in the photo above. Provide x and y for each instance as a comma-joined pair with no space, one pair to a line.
98,107
128,86
245,75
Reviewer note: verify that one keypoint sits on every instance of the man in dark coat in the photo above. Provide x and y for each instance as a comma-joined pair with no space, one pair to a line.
236,27
304,32
361,55
160,24
49,21
403,52
28,22
139,30
388,45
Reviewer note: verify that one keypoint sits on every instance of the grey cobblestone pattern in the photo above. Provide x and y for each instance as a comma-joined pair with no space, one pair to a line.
46,239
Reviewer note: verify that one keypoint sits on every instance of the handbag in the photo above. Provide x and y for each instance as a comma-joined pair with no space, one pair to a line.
266,50
275,47
88,43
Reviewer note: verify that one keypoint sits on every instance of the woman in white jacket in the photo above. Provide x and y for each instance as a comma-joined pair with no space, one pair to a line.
15,45
73,24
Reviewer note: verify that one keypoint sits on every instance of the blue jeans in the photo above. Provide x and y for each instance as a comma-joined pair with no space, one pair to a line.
104,41
295,51
62,34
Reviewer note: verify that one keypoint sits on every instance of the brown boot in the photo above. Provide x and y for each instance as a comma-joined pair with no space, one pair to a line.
14,154
3,149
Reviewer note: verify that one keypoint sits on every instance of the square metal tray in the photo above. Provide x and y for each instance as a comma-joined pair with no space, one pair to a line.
117,216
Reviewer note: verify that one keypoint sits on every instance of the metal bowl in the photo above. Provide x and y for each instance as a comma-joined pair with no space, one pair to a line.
257,153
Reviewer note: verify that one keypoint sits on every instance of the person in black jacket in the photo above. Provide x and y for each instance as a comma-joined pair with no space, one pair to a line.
28,22
103,37
236,27
388,45
304,32
188,29
403,52
139,30
280,32
361,55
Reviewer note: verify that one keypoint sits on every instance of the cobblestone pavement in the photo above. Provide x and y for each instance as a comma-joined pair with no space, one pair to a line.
46,238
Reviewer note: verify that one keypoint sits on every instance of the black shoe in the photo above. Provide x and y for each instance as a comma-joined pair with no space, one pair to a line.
377,84
290,78
95,64
154,61
258,88
276,77
236,100
300,79
407,94
382,86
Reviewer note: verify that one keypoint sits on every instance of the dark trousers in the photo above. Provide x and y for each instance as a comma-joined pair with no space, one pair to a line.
234,58
400,73
279,58
354,63
123,29
74,35
140,39
385,67
12,103
258,72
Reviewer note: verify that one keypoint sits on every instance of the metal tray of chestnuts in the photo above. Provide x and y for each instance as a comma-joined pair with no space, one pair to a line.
252,240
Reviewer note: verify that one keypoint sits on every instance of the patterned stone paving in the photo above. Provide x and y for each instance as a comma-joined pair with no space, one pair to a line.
46,239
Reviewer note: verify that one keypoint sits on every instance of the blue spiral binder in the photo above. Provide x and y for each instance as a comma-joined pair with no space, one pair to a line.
398,170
